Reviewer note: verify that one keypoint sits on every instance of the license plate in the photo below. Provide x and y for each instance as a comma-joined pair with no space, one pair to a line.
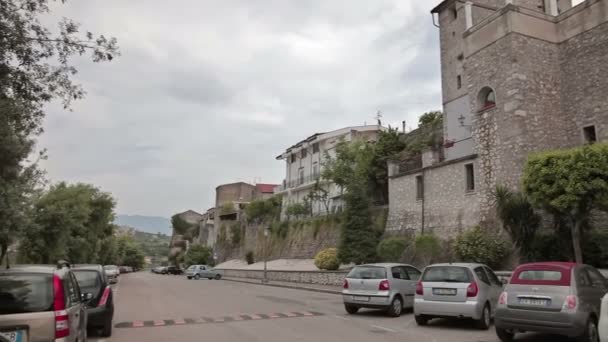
15,336
361,298
444,292
534,301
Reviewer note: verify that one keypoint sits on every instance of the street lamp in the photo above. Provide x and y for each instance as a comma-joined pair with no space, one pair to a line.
266,233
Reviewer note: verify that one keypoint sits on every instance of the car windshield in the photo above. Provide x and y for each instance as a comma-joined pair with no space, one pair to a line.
449,274
110,268
191,268
367,272
89,282
22,293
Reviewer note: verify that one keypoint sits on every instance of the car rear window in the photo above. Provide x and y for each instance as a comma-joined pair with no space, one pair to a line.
541,276
450,274
367,272
24,293
110,268
88,281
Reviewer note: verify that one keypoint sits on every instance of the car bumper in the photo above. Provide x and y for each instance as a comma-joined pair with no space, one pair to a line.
113,279
468,309
371,301
559,323
99,316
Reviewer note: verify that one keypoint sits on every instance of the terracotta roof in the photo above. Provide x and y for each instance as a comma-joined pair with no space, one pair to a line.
266,188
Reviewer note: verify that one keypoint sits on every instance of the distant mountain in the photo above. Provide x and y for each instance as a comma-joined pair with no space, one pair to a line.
148,224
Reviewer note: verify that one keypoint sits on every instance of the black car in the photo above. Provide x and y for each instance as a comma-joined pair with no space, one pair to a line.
100,302
174,270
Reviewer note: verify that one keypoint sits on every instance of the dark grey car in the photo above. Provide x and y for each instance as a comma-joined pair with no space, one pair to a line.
552,297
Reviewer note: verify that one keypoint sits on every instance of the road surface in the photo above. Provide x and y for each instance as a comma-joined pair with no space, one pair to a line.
164,308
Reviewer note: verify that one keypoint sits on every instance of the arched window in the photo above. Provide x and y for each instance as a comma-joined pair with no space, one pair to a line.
486,99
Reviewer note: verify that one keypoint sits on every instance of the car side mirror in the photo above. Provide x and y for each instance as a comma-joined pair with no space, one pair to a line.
86,297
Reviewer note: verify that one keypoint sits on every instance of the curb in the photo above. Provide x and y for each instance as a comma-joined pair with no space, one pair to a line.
293,287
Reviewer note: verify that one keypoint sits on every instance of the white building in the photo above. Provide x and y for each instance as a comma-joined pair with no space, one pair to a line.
305,160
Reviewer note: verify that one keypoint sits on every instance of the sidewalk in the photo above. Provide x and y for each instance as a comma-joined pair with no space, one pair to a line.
298,286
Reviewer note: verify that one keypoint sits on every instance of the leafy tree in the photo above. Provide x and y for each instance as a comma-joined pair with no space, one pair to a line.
570,183
430,118
180,226
388,146
391,249
34,70
519,220
259,211
475,245
198,255
318,194
298,210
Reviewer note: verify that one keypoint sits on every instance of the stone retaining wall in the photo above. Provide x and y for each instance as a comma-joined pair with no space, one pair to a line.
335,278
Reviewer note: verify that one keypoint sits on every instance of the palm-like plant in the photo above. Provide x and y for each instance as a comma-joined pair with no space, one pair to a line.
519,219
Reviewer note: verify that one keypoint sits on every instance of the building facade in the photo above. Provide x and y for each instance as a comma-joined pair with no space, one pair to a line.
518,77
304,164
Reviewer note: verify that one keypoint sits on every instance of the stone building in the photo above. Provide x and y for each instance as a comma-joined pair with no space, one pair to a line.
518,77
178,243
304,163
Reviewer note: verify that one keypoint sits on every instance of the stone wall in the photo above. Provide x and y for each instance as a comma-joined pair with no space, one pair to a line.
335,278
448,207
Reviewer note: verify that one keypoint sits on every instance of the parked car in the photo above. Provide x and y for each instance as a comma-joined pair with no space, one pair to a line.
173,270
94,284
603,324
552,297
41,303
202,271
112,273
122,269
161,270
457,290
389,287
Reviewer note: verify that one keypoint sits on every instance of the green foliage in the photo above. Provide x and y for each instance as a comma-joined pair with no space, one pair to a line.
198,255
327,259
318,194
130,253
297,210
359,239
570,183
235,234
180,226
428,247
428,135
519,220
249,257
154,245
391,249
430,118
475,245
227,208
388,146
222,236
267,210
352,165
279,229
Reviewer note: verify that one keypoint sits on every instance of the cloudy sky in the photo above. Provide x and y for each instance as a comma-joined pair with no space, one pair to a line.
209,92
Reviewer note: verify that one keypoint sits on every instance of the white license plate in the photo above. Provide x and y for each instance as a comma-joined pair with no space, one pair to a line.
15,336
444,292
534,301
361,298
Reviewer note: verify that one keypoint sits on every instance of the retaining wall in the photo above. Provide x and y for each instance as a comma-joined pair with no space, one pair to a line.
335,278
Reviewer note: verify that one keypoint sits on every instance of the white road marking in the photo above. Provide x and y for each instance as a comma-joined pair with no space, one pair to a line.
342,318
383,328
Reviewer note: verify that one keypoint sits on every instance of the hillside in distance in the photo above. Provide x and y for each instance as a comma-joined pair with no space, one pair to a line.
148,224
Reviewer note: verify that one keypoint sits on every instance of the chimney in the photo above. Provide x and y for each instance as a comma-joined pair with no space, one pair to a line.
403,124
468,14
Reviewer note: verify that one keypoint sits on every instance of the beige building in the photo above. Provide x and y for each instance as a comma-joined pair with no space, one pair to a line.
518,76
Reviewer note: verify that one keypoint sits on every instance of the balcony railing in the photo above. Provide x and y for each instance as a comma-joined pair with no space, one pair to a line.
294,183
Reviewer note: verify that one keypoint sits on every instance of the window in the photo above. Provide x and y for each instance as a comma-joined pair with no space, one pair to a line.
589,134
315,148
303,153
413,273
301,176
583,279
25,292
493,278
89,282
367,272
454,11
315,169
486,99
458,81
481,274
293,158
448,274
419,187
399,273
597,280
71,291
470,177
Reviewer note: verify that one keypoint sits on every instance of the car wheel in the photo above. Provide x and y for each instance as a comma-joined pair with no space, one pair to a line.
189,277
484,321
197,277
505,335
421,320
591,334
396,307
217,277
351,309
106,331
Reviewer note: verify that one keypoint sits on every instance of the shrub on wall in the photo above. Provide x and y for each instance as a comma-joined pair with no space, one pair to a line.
249,258
327,259
235,234
428,248
475,245
391,249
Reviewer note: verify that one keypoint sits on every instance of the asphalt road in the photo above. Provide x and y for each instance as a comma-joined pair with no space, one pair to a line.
161,308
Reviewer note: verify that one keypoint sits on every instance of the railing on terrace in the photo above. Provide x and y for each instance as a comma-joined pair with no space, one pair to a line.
294,183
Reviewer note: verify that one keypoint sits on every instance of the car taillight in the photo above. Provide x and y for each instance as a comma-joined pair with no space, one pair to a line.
502,300
345,285
384,286
570,304
104,296
472,290
419,288
62,324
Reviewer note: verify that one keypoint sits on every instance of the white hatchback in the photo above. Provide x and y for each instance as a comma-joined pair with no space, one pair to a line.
603,325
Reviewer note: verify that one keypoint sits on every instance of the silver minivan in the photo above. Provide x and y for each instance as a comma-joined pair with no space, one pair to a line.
386,286
457,290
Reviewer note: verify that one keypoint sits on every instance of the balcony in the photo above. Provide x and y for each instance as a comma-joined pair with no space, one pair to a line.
297,183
